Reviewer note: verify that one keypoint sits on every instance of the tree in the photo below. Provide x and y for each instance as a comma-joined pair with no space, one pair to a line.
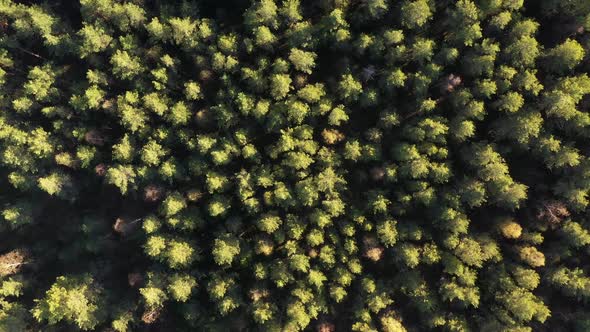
575,234
19,214
262,13
13,317
571,282
179,254
297,160
77,300
280,86
565,56
225,248
182,30
264,37
173,204
523,51
510,229
526,278
311,93
39,84
465,295
218,206
120,176
291,10
57,184
94,39
469,30
131,117
352,150
152,152
422,51
179,114
94,97
524,306
391,323
181,287
415,14
396,79
299,263
124,151
529,82
349,87
408,254
269,223
153,295
532,256
387,232
302,60
510,102
125,66
192,91
522,128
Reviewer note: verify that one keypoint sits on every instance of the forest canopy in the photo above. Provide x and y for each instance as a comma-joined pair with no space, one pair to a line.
295,165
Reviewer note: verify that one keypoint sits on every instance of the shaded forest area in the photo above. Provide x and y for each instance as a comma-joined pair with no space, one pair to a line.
295,165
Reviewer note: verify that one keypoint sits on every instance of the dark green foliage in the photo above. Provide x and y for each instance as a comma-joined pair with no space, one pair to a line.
288,165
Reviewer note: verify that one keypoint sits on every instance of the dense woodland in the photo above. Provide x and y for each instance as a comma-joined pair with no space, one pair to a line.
295,165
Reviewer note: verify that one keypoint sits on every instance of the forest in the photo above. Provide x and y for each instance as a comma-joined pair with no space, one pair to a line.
295,165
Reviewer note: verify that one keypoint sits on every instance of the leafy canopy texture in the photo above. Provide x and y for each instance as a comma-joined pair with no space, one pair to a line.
290,165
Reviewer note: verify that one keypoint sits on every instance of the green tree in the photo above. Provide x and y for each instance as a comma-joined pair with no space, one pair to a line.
173,204
415,14
565,56
523,51
280,86
349,88
121,176
19,214
125,66
302,60
152,152
181,287
77,300
225,249
572,282
262,13
94,39
56,184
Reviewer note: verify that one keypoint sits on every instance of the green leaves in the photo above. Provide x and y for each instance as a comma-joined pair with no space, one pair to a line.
76,300
387,232
181,287
349,88
415,14
180,254
225,248
173,204
275,165
269,223
18,215
264,37
572,282
121,177
125,65
565,56
510,102
39,84
152,152
280,86
302,60
94,39
56,184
